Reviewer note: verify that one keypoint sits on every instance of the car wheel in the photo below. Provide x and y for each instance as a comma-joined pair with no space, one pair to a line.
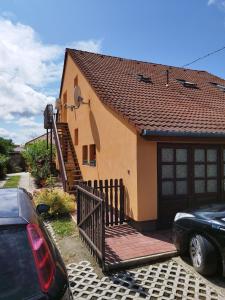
203,255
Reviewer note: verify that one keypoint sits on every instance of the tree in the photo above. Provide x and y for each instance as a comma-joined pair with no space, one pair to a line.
6,145
37,157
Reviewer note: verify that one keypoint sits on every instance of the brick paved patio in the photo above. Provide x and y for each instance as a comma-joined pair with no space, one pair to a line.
124,242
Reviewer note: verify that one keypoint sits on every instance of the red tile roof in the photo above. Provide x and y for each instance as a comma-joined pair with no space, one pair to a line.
155,107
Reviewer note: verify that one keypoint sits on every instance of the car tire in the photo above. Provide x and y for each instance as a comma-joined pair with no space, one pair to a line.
203,255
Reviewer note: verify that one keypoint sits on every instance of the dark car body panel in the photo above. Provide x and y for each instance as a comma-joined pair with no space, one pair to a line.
206,221
19,212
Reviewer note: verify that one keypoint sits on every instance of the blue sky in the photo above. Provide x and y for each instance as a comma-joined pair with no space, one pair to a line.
34,33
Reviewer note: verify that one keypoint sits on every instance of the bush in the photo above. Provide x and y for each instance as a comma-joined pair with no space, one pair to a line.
60,202
37,157
3,165
6,146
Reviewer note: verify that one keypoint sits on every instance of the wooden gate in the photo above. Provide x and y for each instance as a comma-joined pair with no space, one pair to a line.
114,198
91,220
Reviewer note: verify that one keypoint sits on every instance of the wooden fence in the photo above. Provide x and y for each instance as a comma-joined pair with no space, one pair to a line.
114,199
90,219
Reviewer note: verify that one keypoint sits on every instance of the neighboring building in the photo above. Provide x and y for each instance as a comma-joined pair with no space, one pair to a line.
42,137
160,128
16,161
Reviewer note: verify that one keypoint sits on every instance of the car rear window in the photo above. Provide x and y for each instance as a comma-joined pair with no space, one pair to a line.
18,276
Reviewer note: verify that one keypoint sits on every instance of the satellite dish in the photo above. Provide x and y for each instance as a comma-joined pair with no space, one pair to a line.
77,97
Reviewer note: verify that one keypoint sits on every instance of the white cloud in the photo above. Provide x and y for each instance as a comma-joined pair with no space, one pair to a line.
89,45
28,122
219,3
7,134
28,68
210,2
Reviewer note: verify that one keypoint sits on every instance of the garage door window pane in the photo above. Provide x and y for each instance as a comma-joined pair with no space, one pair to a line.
212,186
211,170
167,155
199,155
181,171
181,155
199,186
181,187
167,171
211,155
167,188
199,171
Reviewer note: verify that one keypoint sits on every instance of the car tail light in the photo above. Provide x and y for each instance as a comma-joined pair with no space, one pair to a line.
42,256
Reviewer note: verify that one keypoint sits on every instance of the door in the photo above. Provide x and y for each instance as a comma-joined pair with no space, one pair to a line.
173,182
206,176
188,176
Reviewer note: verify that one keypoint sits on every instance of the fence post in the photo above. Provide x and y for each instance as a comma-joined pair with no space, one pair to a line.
116,202
121,201
106,203
103,230
78,206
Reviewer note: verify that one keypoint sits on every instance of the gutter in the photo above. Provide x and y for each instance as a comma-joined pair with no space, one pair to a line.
146,133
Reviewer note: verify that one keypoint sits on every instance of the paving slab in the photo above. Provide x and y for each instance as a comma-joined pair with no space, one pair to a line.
167,280
170,279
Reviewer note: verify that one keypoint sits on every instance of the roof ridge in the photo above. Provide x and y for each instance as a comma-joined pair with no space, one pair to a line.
138,61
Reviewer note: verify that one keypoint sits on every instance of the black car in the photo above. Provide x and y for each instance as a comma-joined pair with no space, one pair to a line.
31,267
201,234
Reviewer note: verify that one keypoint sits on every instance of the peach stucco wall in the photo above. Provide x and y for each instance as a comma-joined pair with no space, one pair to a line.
116,145
121,151
147,179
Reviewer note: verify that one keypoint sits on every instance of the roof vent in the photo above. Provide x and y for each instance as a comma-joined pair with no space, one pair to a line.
188,84
219,86
144,78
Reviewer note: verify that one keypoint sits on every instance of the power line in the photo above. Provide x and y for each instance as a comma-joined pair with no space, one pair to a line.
202,57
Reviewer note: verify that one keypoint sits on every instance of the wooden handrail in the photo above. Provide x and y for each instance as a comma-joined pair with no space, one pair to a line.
59,154
90,194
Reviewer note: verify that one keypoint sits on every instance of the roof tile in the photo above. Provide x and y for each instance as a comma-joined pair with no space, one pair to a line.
153,105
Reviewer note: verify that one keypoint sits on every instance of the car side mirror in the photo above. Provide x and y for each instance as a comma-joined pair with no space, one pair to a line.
42,208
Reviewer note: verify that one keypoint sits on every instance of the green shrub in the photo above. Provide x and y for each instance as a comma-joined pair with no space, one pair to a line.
3,165
60,202
50,181
37,157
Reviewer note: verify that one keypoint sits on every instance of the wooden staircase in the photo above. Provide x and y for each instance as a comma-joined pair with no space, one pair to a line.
72,168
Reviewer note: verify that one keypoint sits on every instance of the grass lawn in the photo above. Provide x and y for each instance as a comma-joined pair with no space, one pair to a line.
12,182
63,226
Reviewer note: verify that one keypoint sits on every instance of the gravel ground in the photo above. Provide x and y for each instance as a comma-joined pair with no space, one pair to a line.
74,250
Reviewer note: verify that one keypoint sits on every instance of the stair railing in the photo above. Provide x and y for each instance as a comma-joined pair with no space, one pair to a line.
59,155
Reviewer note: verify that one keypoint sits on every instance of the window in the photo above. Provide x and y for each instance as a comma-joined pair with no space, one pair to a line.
193,169
92,155
174,171
85,155
188,84
76,137
76,81
205,170
144,78
219,86
65,98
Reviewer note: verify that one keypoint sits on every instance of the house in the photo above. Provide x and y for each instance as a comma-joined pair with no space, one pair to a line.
42,137
160,128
